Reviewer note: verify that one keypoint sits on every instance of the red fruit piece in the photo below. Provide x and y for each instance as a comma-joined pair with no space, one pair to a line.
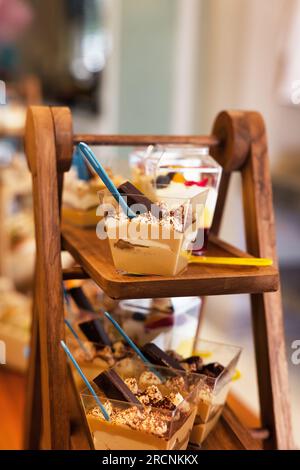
202,183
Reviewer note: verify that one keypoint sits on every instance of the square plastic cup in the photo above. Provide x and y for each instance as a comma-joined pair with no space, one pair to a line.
157,241
185,170
213,399
213,396
145,319
144,427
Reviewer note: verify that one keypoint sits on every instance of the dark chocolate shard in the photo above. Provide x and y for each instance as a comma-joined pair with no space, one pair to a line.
158,357
95,332
141,203
195,363
80,299
139,316
213,369
165,404
163,180
111,384
175,355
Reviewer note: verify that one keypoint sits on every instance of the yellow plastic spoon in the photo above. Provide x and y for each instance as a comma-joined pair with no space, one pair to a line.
230,261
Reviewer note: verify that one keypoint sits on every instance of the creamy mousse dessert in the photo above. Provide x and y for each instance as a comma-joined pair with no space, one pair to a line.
212,396
214,391
149,410
155,241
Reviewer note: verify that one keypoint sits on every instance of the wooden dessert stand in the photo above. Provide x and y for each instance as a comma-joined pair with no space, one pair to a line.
238,143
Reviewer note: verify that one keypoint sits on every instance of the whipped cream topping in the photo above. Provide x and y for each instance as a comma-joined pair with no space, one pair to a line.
157,407
176,383
148,378
205,393
175,218
177,190
143,419
109,354
132,384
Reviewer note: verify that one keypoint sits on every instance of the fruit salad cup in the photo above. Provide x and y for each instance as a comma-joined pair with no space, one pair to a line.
164,171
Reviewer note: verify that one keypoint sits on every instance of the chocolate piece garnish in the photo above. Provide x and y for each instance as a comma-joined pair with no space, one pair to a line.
80,298
163,180
175,355
135,197
155,355
139,316
195,363
165,404
114,387
94,331
213,369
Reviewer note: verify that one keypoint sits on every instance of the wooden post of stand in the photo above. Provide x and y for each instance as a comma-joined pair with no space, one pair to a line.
42,150
244,148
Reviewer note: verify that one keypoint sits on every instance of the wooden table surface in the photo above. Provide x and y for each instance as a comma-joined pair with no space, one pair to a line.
12,403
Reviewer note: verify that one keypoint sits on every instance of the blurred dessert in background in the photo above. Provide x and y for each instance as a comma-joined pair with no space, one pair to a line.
145,319
12,120
80,198
15,321
93,358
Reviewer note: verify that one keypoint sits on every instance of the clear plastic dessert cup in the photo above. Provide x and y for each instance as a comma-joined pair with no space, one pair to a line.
213,398
145,319
163,419
213,395
184,170
157,241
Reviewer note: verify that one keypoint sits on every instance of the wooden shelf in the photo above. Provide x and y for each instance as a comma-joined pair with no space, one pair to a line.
95,259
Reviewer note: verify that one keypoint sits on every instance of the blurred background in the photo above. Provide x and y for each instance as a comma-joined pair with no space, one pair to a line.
152,66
